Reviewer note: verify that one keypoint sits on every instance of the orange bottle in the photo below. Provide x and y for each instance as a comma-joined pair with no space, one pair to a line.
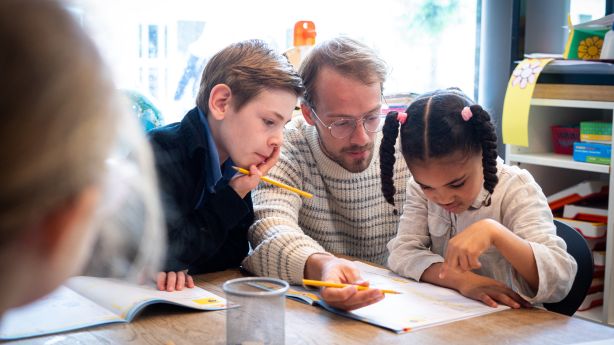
304,39
304,33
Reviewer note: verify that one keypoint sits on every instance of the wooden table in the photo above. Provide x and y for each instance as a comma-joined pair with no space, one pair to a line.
165,324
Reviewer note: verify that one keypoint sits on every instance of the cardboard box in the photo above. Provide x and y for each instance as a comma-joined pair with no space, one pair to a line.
585,39
594,131
592,153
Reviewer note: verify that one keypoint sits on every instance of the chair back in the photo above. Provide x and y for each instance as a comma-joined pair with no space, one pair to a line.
578,248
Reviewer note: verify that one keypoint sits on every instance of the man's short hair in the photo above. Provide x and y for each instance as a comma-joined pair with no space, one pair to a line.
346,56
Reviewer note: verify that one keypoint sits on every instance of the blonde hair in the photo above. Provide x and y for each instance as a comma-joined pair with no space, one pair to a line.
57,120
61,119
247,67
346,56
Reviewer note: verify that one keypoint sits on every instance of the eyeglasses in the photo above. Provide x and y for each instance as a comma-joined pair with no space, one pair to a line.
345,127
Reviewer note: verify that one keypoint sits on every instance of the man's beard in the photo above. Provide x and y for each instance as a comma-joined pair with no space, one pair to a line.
353,165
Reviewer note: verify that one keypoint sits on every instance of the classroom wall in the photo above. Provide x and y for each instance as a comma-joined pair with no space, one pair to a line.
546,22
539,22
495,55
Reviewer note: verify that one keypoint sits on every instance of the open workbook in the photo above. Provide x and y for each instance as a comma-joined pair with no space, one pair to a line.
87,301
419,305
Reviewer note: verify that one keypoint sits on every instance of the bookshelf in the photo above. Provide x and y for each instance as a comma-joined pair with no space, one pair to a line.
564,104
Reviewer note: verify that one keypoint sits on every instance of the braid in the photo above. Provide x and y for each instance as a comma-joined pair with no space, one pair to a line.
445,129
488,137
386,154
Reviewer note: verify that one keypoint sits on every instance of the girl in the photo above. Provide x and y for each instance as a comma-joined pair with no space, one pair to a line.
470,222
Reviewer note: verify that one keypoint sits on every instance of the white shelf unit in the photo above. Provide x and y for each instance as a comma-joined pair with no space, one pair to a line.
555,172
593,314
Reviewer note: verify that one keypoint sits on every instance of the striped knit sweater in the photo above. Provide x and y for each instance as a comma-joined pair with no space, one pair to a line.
347,215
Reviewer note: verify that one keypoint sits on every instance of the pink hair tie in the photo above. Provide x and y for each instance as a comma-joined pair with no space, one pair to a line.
466,113
401,117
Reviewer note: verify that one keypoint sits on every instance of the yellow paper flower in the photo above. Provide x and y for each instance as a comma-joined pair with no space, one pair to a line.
590,48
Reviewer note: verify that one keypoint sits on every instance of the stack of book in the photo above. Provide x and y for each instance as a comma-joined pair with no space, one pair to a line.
595,144
584,207
398,102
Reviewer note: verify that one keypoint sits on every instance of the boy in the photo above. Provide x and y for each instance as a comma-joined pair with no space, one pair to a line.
246,96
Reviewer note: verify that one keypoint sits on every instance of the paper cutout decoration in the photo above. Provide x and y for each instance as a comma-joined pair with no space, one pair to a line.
586,39
517,102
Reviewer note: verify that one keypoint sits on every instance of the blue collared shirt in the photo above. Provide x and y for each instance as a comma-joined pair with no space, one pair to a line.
218,173
206,220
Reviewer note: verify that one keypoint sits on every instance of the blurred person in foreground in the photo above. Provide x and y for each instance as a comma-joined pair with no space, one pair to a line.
68,167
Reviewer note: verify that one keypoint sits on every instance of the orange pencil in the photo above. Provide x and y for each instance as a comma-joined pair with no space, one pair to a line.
339,285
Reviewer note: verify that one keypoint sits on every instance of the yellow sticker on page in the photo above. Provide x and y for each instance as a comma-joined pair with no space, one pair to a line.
400,280
207,301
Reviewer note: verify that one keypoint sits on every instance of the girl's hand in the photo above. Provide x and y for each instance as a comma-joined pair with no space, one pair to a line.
491,292
171,281
243,184
464,249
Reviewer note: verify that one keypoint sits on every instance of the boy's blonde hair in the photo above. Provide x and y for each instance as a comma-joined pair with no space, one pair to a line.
346,56
247,67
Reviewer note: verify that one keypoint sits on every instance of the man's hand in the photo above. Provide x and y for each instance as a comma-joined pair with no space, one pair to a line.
171,281
329,268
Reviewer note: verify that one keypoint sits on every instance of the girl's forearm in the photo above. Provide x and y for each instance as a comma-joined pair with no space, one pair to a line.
518,252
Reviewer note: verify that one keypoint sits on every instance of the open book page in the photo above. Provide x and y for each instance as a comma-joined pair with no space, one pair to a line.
88,301
126,300
62,310
419,305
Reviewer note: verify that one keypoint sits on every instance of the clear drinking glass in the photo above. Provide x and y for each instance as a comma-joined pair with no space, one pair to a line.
260,317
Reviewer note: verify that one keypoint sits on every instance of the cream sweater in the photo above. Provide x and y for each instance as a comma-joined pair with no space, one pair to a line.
347,215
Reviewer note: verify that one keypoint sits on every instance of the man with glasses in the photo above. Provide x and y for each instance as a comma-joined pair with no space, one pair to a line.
331,152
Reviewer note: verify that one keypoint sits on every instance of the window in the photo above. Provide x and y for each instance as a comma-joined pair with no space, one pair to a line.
585,10
159,47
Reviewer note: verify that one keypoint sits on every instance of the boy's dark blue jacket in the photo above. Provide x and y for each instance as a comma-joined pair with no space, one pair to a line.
202,238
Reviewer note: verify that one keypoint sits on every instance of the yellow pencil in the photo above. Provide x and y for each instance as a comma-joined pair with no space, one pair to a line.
339,285
277,183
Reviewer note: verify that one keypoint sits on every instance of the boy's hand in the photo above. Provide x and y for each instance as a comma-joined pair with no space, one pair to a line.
265,166
491,292
464,249
171,281
343,271
243,184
